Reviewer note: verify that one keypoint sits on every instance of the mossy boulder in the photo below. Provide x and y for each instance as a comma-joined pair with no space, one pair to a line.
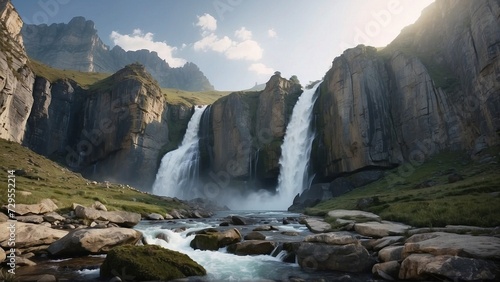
146,263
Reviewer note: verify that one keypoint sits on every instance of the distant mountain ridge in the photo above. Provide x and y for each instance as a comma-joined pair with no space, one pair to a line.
77,46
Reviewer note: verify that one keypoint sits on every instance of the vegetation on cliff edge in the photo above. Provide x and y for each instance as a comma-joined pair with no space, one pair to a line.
421,195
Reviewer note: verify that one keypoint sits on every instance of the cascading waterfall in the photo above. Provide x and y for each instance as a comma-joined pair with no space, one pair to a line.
296,148
178,172
294,160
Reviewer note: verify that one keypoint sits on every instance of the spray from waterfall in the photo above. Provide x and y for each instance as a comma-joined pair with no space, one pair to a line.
178,172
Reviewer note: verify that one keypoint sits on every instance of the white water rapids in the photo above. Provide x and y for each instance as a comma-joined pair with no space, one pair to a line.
179,168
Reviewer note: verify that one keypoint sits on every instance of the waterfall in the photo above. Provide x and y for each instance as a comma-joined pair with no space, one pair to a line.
296,148
178,171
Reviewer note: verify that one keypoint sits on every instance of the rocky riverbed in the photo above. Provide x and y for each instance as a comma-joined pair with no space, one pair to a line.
250,246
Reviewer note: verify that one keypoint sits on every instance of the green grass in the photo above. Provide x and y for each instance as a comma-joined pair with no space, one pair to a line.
176,97
472,201
84,79
46,179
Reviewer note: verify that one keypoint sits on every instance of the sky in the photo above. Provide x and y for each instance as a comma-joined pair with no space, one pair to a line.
237,43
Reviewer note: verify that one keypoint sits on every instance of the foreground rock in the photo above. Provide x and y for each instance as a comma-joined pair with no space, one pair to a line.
252,247
149,263
121,218
381,229
30,237
212,239
317,225
93,241
357,216
454,256
45,206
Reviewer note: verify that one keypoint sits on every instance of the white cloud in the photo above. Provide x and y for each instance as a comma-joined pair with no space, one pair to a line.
245,50
207,22
260,68
241,48
271,33
139,40
212,42
243,34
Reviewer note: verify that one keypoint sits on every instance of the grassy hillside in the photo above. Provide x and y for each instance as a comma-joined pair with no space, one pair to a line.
84,79
176,96
46,179
402,195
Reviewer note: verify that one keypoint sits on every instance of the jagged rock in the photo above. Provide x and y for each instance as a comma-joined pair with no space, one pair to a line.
252,247
348,258
30,218
31,237
254,235
317,225
425,266
440,243
264,228
333,238
387,241
122,218
381,229
45,206
391,253
21,261
211,239
387,270
53,217
93,241
358,216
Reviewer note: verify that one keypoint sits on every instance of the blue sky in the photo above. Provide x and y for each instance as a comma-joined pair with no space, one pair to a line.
237,43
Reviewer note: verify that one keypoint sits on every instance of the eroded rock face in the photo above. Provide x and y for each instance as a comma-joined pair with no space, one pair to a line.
16,79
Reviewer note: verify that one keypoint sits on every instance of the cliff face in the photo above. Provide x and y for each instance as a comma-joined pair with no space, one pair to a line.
77,46
16,79
435,87
242,133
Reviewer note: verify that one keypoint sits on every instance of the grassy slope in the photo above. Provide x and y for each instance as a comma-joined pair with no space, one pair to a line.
472,201
46,179
176,96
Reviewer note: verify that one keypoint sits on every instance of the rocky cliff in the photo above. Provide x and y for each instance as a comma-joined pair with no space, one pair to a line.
242,133
16,79
76,46
435,87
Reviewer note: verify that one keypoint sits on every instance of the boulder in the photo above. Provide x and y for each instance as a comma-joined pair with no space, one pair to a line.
140,263
264,228
53,217
378,244
440,243
381,229
358,216
254,235
391,253
239,220
83,242
317,225
30,218
213,240
31,237
99,206
45,206
348,258
425,266
333,238
387,270
121,218
252,247
155,216
22,261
